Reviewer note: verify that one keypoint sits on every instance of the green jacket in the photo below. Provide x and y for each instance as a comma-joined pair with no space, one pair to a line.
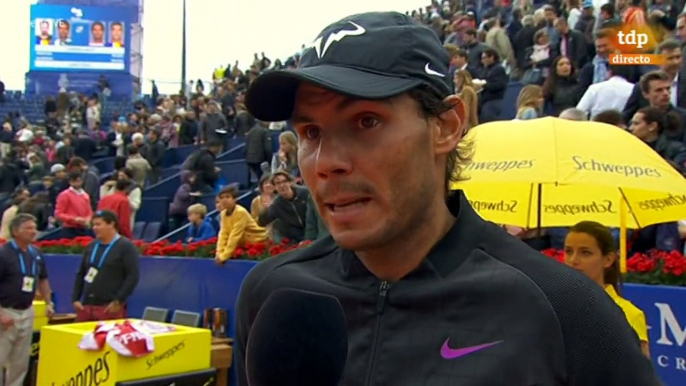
314,226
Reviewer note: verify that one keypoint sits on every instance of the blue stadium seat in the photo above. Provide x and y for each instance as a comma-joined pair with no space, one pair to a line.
153,209
138,229
151,232
234,171
170,171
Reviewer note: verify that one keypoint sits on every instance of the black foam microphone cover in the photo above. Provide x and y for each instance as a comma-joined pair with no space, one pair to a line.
298,338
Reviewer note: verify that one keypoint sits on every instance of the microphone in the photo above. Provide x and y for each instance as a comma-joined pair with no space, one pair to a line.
298,338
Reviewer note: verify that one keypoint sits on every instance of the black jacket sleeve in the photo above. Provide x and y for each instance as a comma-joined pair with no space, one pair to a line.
131,257
77,292
633,104
497,80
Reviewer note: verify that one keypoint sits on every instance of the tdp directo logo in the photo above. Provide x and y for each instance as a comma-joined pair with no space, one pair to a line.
634,45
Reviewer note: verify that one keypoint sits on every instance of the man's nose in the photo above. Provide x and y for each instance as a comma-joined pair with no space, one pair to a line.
332,158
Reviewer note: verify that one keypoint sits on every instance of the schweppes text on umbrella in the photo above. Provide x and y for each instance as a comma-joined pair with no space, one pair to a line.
663,203
496,206
604,206
501,166
609,167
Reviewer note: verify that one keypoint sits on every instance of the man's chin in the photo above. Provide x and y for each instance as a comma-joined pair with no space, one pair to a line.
353,240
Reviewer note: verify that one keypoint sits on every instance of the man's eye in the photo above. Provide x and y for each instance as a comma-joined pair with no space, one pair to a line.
311,133
368,122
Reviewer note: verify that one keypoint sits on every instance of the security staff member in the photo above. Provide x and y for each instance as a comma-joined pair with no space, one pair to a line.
108,273
22,272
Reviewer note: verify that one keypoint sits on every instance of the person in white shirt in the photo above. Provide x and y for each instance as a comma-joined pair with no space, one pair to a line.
611,94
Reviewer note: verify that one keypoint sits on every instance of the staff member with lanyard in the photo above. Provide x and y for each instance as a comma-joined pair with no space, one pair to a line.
22,271
108,273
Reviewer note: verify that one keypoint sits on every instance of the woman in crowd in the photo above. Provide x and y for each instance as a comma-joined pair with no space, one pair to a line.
183,198
530,102
561,88
266,195
8,215
38,207
286,158
464,87
653,127
540,57
590,249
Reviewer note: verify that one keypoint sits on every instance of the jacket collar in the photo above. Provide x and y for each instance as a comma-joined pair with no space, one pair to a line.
448,254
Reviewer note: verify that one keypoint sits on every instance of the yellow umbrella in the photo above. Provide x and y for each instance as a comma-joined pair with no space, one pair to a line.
554,172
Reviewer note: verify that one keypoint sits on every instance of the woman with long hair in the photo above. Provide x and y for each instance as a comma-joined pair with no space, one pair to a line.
287,157
465,89
561,88
658,131
530,102
590,249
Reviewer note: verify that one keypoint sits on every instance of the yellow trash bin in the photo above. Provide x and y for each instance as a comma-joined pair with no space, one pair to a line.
62,362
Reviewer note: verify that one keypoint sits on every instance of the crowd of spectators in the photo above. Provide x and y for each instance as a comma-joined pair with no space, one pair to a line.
559,52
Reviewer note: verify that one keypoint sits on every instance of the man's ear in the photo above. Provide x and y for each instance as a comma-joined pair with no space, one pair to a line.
450,126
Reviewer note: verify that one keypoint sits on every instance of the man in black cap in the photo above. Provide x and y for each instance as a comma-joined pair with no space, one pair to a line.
433,294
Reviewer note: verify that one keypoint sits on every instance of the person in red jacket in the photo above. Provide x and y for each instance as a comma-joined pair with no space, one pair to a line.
118,203
73,208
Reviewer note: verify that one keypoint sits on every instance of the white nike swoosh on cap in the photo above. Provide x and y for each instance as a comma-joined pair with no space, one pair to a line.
429,71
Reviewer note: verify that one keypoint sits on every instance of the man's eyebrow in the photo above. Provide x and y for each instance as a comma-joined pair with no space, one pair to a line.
342,105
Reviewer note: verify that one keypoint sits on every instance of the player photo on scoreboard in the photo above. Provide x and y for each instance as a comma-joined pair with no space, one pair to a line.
97,38
44,29
116,35
63,33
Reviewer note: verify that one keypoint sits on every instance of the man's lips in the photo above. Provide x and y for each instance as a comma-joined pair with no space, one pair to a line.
343,203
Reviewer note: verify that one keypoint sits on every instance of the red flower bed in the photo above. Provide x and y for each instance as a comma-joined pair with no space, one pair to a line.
202,249
654,267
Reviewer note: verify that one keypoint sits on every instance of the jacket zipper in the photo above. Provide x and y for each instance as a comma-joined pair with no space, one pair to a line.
380,306
296,213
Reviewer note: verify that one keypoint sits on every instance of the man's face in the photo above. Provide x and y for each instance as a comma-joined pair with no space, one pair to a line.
26,232
367,198
227,201
76,183
659,93
101,227
63,31
602,46
672,61
116,33
283,186
486,60
681,29
550,15
98,32
469,39
561,26
458,61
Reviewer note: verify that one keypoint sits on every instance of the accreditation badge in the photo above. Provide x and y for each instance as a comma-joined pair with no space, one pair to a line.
90,275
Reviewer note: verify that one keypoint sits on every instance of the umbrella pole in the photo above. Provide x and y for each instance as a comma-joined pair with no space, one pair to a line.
539,231
622,235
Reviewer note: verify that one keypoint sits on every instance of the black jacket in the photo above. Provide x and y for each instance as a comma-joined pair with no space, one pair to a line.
577,48
258,145
496,83
203,164
289,216
547,324
672,151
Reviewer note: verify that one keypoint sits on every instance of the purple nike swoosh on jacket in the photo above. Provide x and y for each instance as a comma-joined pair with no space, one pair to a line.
449,353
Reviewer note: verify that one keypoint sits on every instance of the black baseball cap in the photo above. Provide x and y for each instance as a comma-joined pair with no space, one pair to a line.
371,56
